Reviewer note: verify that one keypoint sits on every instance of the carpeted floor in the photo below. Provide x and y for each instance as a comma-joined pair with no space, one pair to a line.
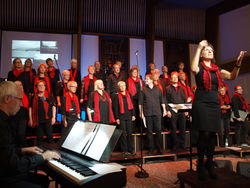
164,174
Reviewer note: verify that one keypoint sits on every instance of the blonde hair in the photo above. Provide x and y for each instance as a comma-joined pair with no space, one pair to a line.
7,88
96,83
120,82
65,71
71,82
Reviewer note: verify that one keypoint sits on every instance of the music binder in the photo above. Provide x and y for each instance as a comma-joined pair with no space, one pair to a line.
92,139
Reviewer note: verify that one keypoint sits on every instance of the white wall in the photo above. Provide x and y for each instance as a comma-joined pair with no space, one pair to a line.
233,36
140,46
89,52
64,48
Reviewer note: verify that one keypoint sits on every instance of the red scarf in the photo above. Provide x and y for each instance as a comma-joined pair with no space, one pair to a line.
160,86
17,72
35,108
224,100
73,75
86,85
166,79
187,90
25,101
131,85
207,76
65,88
97,110
69,101
121,105
243,101
51,72
31,75
47,81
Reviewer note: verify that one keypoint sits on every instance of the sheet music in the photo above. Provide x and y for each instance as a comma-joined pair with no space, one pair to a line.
176,107
78,136
101,140
106,168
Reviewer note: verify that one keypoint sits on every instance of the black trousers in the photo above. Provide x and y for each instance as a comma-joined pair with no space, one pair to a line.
154,124
30,180
241,131
225,128
126,139
42,129
178,121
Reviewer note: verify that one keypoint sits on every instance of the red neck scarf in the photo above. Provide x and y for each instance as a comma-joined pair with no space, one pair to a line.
97,110
160,86
121,104
243,101
47,81
207,76
65,88
224,100
25,101
86,85
51,72
73,74
69,100
17,72
31,75
131,85
35,108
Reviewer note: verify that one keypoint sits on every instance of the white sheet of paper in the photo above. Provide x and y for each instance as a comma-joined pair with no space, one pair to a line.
100,142
78,136
106,168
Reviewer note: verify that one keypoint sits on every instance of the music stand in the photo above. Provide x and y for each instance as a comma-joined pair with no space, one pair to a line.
185,108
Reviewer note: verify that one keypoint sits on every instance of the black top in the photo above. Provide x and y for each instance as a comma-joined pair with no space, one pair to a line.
41,111
78,80
175,96
101,76
89,90
127,113
112,81
72,110
27,84
103,107
151,100
206,110
12,77
12,163
236,105
53,81
60,86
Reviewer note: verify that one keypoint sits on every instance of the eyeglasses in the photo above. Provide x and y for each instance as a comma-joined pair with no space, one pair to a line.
19,98
73,86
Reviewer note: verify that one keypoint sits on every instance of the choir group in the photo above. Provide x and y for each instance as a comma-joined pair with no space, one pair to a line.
115,97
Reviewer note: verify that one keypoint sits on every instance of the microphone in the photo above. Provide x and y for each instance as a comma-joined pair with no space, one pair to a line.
136,52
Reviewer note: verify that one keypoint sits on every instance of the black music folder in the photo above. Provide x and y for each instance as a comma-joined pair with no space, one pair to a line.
92,139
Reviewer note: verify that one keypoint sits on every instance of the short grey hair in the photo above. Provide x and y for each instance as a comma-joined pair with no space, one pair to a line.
8,88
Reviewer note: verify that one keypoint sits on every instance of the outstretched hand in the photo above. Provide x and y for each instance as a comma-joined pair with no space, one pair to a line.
241,55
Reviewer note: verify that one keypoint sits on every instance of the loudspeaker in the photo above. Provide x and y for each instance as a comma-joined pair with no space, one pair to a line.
243,168
227,164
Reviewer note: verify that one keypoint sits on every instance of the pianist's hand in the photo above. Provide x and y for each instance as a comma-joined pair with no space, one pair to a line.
47,155
32,150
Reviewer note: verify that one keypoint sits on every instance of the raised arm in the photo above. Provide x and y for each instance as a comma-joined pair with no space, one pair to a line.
226,75
195,62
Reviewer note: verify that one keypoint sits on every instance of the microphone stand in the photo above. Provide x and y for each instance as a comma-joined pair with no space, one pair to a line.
141,173
58,67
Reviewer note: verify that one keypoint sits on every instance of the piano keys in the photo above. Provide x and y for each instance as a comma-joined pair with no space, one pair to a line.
77,169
